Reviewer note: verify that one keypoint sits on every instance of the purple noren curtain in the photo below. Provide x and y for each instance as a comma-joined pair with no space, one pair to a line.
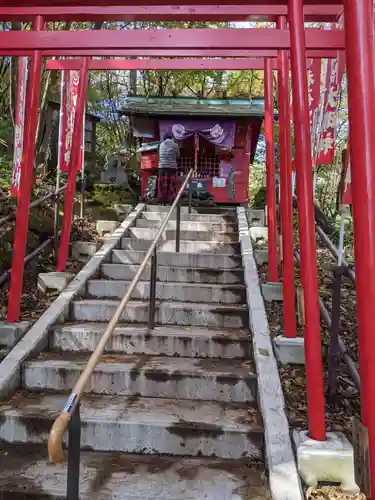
219,132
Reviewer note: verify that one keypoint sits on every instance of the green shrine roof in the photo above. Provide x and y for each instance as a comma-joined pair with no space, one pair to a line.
186,106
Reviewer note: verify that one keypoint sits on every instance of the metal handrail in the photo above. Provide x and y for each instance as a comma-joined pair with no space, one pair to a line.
61,423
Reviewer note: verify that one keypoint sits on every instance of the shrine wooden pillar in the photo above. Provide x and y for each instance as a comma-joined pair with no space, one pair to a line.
358,18
286,203
273,266
306,224
27,178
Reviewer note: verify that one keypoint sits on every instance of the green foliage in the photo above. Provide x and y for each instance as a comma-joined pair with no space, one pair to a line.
107,196
256,185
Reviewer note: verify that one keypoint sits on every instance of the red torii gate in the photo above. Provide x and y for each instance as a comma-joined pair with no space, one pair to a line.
267,43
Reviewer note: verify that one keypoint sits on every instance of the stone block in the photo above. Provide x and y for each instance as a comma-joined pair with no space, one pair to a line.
106,226
329,461
272,291
261,257
256,217
11,333
259,236
122,208
54,281
289,351
82,249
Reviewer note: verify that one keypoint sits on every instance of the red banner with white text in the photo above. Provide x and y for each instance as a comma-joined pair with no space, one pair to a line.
19,126
327,134
346,198
313,79
69,95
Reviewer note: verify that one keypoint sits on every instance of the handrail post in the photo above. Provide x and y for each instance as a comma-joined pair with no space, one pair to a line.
74,456
190,195
178,226
334,353
151,310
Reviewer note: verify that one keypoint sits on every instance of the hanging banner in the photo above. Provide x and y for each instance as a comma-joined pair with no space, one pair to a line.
69,95
63,120
327,134
313,80
346,198
19,126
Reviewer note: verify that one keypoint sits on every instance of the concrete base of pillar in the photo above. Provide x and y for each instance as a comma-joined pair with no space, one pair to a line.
106,226
289,351
329,461
11,333
83,250
272,291
54,281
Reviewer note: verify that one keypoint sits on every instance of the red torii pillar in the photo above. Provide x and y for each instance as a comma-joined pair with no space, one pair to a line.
27,177
273,271
286,204
306,224
359,38
75,160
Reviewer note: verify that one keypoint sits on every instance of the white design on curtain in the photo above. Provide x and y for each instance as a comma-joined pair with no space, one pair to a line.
216,132
178,131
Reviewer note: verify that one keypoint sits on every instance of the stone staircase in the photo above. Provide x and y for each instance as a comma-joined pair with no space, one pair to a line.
168,414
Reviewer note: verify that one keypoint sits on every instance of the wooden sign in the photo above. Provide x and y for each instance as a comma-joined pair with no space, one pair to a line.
361,457
300,306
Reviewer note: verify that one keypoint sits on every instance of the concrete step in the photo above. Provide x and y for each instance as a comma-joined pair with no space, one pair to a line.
216,218
148,376
26,473
193,246
190,226
143,233
167,313
175,274
140,425
223,211
184,292
205,260
164,340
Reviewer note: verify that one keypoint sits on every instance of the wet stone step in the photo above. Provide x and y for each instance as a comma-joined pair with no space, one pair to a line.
180,259
193,235
109,476
184,292
149,376
140,425
166,313
163,340
190,226
205,218
191,246
181,275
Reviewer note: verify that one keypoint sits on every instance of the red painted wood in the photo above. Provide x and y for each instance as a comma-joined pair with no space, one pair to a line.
27,177
160,64
269,130
260,13
175,3
250,38
286,205
360,69
306,225
314,54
